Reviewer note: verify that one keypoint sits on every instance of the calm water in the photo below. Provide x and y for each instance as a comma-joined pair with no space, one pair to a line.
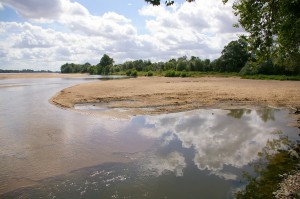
56,153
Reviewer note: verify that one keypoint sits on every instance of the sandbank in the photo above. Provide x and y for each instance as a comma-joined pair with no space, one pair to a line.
153,95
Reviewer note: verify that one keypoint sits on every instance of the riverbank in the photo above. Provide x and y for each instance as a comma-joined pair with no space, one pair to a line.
38,75
153,95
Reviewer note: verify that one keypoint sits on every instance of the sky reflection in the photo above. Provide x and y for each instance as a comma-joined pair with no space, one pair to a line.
218,138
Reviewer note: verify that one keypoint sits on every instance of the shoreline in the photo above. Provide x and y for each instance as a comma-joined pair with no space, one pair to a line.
39,75
157,95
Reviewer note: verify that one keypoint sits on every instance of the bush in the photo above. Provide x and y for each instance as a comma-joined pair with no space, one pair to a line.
150,74
128,73
172,73
183,74
134,73
250,68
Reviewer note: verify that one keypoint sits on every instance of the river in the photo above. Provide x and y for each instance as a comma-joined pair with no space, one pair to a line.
49,152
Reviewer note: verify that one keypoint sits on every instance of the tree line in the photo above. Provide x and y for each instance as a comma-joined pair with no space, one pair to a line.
25,71
271,47
273,34
235,57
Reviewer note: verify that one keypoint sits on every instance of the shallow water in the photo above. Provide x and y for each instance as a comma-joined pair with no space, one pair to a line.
66,154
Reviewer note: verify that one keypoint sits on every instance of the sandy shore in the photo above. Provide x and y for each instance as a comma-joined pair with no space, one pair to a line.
38,75
151,95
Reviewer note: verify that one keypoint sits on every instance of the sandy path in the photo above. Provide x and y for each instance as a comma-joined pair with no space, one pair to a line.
162,94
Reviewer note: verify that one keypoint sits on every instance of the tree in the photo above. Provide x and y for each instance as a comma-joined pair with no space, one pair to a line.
274,28
106,61
66,68
104,65
234,56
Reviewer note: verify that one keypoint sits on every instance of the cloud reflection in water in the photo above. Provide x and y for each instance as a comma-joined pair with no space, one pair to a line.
217,137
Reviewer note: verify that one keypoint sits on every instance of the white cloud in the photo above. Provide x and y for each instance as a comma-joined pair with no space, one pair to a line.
199,29
35,9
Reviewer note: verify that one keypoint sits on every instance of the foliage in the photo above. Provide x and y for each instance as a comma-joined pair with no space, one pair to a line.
266,67
173,73
104,65
233,58
272,77
132,73
273,163
274,36
75,68
274,30
150,74
106,61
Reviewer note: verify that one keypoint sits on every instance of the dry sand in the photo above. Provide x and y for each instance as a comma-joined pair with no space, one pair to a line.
151,95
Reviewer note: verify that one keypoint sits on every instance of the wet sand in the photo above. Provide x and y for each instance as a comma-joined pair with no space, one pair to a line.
38,75
153,95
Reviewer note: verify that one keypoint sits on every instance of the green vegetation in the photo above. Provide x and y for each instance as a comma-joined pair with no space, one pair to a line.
275,160
75,68
273,27
150,74
273,39
272,77
271,50
235,60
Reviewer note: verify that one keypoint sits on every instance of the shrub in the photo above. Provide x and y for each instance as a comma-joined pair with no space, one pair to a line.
250,68
170,73
134,73
173,73
128,73
183,74
150,73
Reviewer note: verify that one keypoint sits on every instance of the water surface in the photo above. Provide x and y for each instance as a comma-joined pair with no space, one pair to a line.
66,154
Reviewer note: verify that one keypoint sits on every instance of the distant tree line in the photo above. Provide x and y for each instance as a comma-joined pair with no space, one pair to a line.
25,71
235,57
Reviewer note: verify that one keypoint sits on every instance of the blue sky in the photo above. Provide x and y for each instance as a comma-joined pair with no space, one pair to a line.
46,34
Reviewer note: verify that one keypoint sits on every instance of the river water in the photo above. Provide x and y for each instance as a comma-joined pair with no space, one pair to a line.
48,152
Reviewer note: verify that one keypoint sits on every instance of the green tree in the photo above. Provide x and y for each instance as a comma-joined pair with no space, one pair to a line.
106,61
66,68
181,65
104,65
274,29
234,56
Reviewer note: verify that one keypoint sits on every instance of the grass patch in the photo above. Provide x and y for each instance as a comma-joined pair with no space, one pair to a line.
173,73
272,77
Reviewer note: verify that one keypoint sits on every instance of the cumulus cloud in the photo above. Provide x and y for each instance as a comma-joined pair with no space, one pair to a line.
67,32
35,9
217,139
